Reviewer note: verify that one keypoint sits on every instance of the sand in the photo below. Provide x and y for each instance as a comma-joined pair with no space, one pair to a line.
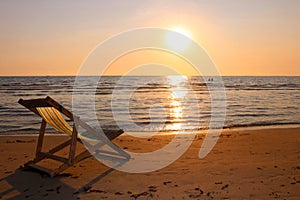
244,164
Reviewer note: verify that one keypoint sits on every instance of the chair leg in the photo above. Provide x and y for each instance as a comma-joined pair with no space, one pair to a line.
40,139
53,150
73,158
73,145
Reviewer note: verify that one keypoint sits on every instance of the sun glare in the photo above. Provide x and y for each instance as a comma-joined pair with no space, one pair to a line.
177,42
182,31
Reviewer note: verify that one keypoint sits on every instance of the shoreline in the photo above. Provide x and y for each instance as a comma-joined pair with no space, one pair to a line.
239,128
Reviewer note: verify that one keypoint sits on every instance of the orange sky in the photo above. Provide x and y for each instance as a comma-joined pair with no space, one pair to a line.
152,62
242,37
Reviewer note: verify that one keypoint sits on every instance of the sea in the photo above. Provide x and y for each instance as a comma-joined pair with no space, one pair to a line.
154,103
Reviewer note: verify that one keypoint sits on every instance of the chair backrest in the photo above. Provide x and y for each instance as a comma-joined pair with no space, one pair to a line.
32,104
53,117
51,111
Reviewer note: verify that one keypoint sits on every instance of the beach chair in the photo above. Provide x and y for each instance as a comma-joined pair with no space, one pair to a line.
51,113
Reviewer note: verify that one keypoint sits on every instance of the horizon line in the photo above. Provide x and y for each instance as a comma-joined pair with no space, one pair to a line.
144,75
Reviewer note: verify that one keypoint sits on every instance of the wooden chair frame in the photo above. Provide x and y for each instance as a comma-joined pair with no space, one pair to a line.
72,159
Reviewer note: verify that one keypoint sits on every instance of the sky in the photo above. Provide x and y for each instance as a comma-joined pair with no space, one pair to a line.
242,37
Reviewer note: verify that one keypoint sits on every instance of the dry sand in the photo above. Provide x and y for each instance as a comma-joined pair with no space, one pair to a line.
244,164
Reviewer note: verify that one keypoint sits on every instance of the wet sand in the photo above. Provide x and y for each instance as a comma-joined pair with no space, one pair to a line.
244,164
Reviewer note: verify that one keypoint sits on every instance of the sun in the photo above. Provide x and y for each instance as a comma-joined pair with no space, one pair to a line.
182,31
181,41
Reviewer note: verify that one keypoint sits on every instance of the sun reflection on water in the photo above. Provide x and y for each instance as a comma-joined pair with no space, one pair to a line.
178,92
178,84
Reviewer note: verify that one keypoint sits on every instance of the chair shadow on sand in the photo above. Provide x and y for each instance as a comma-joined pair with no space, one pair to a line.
28,184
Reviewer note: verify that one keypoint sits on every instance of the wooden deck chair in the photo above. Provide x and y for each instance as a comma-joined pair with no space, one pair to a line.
50,111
